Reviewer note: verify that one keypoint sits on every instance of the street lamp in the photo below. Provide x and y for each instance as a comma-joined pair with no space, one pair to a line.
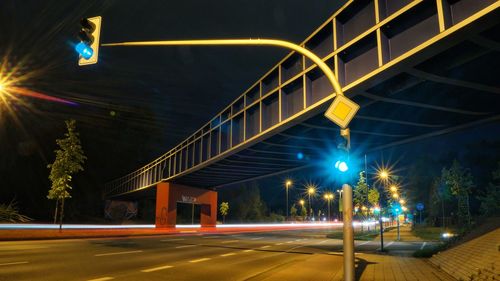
395,196
288,184
393,188
402,201
328,197
310,191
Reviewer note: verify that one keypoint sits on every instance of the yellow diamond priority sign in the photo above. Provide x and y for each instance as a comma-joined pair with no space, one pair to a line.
341,111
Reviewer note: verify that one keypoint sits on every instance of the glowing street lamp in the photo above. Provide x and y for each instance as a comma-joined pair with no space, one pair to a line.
393,188
402,201
383,174
395,196
328,197
302,202
288,184
311,190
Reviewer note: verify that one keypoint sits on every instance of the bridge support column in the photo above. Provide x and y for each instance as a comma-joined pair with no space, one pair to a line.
169,194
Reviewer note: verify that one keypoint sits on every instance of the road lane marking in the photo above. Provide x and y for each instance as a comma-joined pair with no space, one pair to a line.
289,242
423,245
364,243
13,263
278,244
246,251
228,254
102,279
200,260
187,231
156,268
256,238
185,246
118,253
263,247
229,241
168,240
323,241
210,237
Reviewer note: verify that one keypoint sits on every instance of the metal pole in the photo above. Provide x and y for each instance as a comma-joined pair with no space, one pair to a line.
381,231
192,213
328,202
286,202
397,220
348,233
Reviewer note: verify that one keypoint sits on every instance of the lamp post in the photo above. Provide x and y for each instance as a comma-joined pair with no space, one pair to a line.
328,197
288,183
384,176
310,191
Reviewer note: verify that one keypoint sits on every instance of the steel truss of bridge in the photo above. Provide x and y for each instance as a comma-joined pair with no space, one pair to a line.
418,69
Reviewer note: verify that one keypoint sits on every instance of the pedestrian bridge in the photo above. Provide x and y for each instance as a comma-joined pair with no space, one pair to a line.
418,69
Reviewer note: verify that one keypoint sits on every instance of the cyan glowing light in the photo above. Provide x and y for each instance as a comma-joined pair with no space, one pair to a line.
341,166
300,155
84,50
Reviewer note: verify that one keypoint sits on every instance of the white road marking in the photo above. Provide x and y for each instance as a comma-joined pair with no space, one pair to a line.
157,268
200,260
256,238
389,244
168,240
13,263
228,254
278,244
118,253
289,242
263,247
323,241
229,241
246,251
423,245
364,243
102,279
185,246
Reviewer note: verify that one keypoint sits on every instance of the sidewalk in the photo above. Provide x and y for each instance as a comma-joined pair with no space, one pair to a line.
369,267
405,234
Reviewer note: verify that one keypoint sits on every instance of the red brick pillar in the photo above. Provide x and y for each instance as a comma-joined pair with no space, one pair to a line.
167,196
166,206
209,211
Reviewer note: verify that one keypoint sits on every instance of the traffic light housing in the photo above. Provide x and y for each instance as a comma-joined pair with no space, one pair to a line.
88,47
342,163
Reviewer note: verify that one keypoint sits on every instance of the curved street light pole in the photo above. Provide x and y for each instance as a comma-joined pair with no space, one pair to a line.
244,42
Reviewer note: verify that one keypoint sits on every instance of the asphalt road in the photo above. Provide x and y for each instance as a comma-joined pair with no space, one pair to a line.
189,256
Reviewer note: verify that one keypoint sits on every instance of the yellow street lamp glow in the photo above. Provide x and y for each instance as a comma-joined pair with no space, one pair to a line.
288,183
330,196
383,174
395,196
2,87
393,188
363,208
402,201
404,209
311,190
301,202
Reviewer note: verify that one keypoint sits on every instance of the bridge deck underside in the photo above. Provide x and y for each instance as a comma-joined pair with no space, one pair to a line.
463,91
407,92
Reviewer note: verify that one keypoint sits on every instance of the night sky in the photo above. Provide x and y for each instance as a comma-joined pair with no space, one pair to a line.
137,103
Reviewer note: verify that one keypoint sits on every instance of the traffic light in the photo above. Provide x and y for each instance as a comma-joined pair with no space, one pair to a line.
342,163
88,48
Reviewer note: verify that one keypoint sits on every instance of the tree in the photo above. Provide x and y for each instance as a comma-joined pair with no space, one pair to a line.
459,180
373,197
361,191
224,210
490,201
69,160
303,212
293,211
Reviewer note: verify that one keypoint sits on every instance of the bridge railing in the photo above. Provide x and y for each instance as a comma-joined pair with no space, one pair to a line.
359,41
